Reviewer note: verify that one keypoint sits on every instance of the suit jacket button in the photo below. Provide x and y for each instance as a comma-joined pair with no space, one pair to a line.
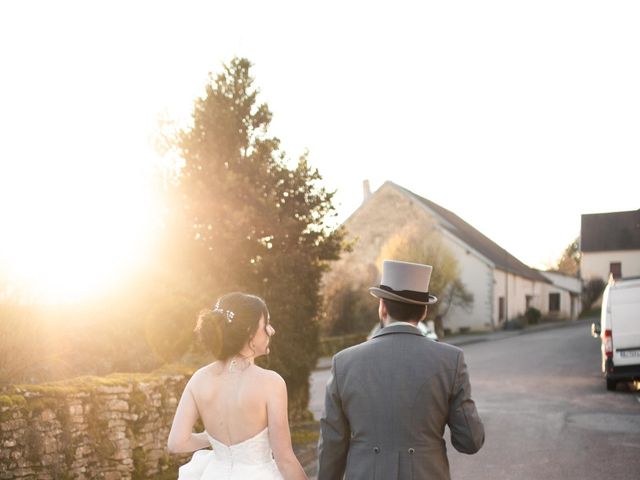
411,451
376,450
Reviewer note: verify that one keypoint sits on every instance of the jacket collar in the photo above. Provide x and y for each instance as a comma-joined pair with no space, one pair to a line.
398,329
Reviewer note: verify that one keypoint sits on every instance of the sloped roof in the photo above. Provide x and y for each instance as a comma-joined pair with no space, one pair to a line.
476,240
570,283
603,232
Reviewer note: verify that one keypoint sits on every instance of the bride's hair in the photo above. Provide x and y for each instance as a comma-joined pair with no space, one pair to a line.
227,327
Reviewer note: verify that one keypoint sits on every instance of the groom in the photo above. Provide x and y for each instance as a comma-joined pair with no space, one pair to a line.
388,400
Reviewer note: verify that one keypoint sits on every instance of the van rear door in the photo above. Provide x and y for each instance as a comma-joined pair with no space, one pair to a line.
624,301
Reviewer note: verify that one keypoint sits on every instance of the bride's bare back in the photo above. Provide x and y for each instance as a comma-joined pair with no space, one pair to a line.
232,400
236,399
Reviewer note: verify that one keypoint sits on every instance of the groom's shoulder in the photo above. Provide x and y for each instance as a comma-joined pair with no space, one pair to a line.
377,346
355,351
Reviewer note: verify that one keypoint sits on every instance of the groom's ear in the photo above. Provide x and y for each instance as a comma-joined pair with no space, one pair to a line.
382,310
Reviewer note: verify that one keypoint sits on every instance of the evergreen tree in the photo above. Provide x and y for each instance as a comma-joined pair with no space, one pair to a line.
256,224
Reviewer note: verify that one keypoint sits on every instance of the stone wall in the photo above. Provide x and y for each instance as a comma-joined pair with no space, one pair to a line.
111,428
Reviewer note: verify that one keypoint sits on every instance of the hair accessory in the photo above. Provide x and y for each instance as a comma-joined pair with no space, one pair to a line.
227,313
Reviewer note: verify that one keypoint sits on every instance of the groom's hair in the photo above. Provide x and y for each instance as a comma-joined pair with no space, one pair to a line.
404,312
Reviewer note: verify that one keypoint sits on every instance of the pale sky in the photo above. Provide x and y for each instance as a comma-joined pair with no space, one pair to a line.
517,116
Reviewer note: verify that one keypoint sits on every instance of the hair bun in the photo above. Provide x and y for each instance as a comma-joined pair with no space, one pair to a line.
209,330
228,327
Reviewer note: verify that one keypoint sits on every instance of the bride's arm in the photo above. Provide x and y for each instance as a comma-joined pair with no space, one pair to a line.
181,437
279,434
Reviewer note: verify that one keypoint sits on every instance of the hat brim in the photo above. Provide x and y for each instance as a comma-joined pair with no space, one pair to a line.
380,293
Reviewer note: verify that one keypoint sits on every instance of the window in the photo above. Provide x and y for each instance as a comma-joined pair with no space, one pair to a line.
500,309
615,268
554,302
527,300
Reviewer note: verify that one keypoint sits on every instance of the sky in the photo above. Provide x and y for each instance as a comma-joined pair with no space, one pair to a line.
517,116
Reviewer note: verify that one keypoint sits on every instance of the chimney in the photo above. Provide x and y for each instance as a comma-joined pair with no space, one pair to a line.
366,190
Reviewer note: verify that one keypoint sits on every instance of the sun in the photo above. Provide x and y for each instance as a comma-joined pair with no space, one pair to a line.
72,230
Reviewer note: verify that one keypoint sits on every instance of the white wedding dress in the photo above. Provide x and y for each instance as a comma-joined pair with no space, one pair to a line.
248,460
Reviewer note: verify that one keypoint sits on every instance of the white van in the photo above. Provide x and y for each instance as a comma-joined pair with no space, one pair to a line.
619,331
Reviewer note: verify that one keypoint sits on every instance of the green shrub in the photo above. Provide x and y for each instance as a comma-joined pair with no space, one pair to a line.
591,292
592,312
329,346
347,307
532,315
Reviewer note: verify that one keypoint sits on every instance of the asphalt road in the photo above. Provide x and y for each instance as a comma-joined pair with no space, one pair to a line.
546,410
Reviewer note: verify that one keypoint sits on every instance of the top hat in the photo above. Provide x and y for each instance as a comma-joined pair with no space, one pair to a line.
405,282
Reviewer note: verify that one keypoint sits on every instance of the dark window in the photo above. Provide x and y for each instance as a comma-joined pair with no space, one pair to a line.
500,309
528,299
615,268
554,302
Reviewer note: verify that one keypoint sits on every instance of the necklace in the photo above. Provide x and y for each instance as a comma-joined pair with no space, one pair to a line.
238,363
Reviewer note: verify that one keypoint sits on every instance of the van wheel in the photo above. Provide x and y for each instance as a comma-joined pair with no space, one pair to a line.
611,384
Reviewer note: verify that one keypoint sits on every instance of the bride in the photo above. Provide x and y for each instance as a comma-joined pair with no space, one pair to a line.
243,407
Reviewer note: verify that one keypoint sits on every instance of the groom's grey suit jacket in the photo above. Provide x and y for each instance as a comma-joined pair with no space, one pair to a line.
386,406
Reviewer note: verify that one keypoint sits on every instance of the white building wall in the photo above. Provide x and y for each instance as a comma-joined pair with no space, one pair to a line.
569,303
477,276
596,264
515,291
570,289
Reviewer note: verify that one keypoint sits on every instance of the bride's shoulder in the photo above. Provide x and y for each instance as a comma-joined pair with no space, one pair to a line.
272,385
205,372
268,376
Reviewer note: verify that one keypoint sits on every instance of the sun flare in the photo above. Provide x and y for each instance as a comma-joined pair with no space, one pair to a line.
72,232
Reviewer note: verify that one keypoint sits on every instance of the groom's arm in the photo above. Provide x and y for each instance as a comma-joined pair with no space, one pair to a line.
467,430
334,432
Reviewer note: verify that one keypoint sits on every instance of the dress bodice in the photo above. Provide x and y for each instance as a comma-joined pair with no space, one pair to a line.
254,450
250,459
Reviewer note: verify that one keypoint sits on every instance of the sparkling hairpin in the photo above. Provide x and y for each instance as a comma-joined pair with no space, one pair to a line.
227,313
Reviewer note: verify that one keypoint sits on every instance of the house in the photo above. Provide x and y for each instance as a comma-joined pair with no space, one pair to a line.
610,244
562,296
502,286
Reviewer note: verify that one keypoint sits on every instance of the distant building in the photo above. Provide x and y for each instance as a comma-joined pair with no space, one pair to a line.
610,244
563,296
502,286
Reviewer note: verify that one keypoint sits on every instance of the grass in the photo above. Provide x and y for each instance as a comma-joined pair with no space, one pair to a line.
12,400
305,433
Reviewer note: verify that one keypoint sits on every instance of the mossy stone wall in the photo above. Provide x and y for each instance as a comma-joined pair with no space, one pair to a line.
110,428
